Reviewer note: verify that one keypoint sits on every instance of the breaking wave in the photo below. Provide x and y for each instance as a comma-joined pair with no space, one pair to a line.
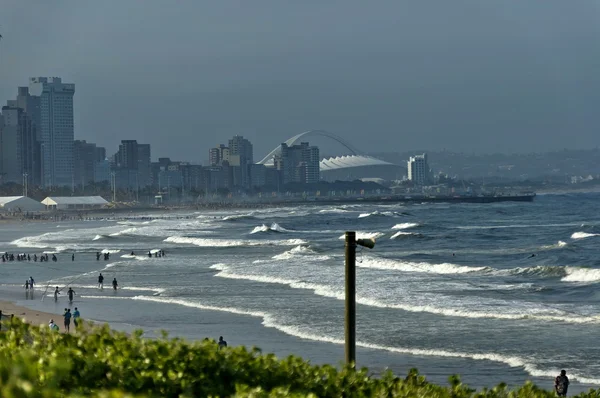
334,211
394,265
583,235
301,251
380,214
405,225
266,228
546,315
557,245
235,217
538,270
100,237
402,234
232,242
577,274
365,235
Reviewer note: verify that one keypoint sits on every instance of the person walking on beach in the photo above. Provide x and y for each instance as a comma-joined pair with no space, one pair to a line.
115,284
561,384
56,293
31,282
101,281
71,293
76,318
67,317
222,343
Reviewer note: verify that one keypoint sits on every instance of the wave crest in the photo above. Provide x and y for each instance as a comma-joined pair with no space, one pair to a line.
583,235
201,242
444,268
405,225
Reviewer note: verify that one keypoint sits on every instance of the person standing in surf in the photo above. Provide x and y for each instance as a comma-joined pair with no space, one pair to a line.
71,293
561,384
101,281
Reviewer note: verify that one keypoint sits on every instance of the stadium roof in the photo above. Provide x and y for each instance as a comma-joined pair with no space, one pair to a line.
344,162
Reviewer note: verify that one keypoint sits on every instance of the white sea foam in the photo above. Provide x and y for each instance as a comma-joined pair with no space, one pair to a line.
583,235
557,245
397,265
577,274
110,251
266,228
232,242
333,211
304,252
549,315
402,234
379,213
134,257
128,231
270,321
365,235
234,217
405,225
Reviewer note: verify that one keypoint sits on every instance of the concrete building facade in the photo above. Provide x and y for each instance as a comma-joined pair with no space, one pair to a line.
56,129
298,163
418,170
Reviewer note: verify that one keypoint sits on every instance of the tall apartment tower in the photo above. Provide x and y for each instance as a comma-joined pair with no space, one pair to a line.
56,130
242,155
144,165
299,163
418,170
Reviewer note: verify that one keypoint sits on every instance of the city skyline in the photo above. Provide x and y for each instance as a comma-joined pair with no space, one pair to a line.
470,77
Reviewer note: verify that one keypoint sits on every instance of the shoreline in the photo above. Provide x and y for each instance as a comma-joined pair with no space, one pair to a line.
250,331
31,316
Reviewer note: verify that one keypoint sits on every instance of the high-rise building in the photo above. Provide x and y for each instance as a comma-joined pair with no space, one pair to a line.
127,157
29,140
10,167
18,146
56,129
144,165
217,155
240,157
299,163
133,164
418,170
85,158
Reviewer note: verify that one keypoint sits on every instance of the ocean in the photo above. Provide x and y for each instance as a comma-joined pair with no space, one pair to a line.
447,288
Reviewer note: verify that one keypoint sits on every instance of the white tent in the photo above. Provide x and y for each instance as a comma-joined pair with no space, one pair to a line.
19,204
74,202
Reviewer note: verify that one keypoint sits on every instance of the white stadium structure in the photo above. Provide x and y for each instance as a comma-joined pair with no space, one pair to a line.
354,164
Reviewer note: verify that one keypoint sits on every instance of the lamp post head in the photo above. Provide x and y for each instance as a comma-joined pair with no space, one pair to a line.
368,243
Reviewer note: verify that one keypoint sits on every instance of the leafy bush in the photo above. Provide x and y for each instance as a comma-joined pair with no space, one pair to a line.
38,363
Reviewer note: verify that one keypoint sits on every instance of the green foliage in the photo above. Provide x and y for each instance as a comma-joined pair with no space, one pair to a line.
97,362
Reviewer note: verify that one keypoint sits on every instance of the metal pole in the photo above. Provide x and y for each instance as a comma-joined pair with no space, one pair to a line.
350,327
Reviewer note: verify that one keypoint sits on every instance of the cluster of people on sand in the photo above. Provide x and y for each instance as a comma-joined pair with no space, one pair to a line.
27,257
67,316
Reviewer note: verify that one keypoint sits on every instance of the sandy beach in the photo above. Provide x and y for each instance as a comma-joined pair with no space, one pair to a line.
33,317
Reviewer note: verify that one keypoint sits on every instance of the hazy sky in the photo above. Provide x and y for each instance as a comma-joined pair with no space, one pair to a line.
465,75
